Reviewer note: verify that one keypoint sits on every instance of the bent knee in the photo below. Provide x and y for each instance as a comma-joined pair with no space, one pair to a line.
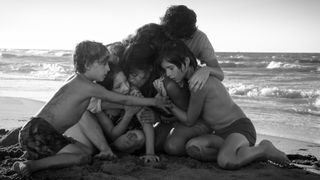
139,138
194,143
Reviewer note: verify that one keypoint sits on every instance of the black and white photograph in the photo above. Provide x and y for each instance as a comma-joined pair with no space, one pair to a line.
159,89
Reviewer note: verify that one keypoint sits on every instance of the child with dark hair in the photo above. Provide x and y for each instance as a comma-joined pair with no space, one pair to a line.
118,123
152,34
179,22
138,62
233,142
42,138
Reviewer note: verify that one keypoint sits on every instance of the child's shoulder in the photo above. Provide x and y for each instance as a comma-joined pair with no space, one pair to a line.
212,83
78,81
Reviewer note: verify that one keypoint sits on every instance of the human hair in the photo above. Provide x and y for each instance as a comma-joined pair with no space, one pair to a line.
179,21
116,48
109,78
88,52
140,56
176,52
150,33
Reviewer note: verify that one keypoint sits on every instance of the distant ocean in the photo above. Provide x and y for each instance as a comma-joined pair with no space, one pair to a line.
280,92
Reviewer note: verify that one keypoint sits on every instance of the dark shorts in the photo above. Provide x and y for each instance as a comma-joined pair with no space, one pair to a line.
39,139
243,126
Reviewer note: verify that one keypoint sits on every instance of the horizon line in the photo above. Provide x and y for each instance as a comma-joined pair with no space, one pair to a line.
1,48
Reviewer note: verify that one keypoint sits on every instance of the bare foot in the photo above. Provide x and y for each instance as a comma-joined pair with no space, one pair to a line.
106,155
22,168
273,154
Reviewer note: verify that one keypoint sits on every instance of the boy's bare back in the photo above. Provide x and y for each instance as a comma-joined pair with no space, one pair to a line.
219,110
68,104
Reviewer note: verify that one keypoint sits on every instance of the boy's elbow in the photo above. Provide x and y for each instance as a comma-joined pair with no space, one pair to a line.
221,78
220,75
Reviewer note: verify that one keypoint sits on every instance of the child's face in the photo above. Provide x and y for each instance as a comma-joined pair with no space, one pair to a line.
120,83
138,77
172,71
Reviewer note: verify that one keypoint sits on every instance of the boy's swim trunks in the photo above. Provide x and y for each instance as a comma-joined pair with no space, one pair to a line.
39,139
243,126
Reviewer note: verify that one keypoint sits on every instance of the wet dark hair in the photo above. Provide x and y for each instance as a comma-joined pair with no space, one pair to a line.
140,56
179,21
150,33
176,52
88,52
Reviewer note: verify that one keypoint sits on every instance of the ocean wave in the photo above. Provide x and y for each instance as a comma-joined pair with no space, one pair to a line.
35,54
62,54
21,56
306,111
8,55
313,108
255,91
290,66
244,64
51,71
317,103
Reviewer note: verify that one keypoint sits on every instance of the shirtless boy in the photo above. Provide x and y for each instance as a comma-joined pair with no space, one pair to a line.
42,137
233,142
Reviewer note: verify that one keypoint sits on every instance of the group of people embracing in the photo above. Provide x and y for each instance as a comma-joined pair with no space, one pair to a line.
158,91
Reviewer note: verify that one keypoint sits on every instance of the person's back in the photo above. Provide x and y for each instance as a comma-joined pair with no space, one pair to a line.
219,109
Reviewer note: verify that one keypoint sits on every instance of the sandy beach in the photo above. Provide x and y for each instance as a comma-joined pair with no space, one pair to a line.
304,154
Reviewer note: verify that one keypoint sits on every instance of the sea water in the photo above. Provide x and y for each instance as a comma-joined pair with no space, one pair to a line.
279,92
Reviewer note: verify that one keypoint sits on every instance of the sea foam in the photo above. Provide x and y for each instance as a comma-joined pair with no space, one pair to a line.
255,91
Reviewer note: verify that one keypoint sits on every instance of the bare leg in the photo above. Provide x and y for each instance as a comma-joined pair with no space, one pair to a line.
76,133
92,130
236,152
130,141
181,134
205,147
71,154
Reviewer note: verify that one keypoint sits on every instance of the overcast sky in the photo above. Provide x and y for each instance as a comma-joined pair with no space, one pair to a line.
231,25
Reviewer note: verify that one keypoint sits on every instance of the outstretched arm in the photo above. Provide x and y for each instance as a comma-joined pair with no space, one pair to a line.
100,92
